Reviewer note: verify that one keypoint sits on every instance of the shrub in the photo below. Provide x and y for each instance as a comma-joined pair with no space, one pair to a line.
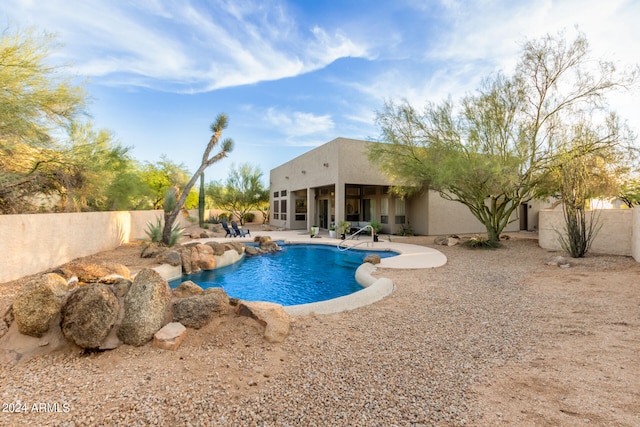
154,231
249,217
480,242
213,219
406,230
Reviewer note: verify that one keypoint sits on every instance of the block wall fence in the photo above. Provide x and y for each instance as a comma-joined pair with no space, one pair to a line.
33,243
619,233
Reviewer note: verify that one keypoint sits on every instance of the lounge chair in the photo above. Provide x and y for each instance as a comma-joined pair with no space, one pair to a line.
226,228
236,229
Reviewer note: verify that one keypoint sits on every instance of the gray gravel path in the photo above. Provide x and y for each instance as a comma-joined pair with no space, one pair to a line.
412,359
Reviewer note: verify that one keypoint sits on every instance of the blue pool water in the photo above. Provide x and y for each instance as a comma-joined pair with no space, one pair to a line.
299,274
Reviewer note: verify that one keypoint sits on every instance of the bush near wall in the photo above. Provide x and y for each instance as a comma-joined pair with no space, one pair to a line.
619,235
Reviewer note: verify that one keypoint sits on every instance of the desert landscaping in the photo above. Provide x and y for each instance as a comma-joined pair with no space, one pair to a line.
494,337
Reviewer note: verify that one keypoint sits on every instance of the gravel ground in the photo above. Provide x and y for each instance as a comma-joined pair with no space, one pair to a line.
413,359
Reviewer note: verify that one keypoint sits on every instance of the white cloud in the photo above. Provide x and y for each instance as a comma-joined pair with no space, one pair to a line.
189,45
298,124
480,38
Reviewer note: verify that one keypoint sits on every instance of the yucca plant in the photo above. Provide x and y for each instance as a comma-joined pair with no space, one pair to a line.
154,231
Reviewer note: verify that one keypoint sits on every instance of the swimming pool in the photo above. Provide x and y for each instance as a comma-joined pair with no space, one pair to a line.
298,274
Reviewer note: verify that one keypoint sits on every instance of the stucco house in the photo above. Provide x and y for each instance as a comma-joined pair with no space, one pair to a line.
336,181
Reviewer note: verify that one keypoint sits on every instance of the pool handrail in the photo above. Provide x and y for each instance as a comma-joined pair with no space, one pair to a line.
352,236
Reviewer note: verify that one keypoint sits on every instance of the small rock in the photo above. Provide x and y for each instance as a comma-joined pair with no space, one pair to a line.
372,258
170,336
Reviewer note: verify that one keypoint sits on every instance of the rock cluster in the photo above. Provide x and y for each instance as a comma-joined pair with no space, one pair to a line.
450,240
100,306
265,245
558,261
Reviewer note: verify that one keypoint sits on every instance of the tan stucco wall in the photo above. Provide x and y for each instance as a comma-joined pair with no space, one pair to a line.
447,217
614,238
338,162
35,243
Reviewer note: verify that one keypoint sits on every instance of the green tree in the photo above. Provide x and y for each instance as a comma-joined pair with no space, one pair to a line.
629,192
90,169
36,102
242,191
160,176
207,160
492,151
584,169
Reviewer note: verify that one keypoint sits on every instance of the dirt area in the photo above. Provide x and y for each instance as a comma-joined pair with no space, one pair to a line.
585,371
580,367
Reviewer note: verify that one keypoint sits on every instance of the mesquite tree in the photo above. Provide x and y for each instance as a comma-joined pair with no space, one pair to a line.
207,160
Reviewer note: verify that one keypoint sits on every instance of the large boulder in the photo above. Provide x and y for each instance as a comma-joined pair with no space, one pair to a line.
252,251
236,246
37,302
89,314
202,258
172,257
197,311
144,308
272,316
187,289
152,250
218,248
107,272
185,255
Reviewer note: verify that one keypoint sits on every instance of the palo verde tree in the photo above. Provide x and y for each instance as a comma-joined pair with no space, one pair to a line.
491,150
242,191
208,158
36,102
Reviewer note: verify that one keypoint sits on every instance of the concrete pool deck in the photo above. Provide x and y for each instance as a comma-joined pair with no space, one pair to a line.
410,256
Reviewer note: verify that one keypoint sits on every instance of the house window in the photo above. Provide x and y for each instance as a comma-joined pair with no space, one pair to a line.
384,210
352,202
283,210
276,211
276,194
283,193
400,211
301,209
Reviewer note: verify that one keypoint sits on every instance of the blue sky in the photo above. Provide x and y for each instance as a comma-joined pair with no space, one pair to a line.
292,75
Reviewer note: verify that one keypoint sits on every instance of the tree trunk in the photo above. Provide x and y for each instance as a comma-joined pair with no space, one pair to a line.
201,201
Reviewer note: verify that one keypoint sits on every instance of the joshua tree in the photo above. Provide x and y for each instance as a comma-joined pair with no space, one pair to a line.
207,160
